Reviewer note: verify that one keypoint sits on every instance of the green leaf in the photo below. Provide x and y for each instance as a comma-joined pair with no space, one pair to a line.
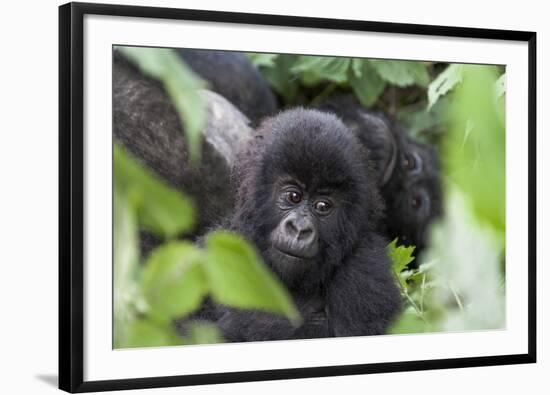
477,163
409,322
161,209
173,281
402,72
182,85
125,264
315,69
281,79
262,59
202,333
400,256
444,82
148,333
500,86
365,82
238,277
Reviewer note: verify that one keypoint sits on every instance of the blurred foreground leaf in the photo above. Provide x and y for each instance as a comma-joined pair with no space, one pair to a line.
161,209
474,153
238,277
468,255
148,333
173,281
262,59
181,83
125,265
444,82
202,333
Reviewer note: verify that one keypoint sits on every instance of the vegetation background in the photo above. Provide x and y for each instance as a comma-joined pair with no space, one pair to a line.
459,284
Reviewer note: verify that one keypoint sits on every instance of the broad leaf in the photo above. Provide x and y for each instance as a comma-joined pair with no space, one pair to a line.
281,79
444,82
147,333
125,264
202,333
262,59
173,281
315,69
238,277
365,82
477,163
401,72
161,209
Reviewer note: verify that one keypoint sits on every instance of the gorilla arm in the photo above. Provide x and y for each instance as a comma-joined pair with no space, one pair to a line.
248,325
362,298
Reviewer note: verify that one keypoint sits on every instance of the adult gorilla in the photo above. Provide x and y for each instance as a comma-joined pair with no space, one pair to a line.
232,75
307,201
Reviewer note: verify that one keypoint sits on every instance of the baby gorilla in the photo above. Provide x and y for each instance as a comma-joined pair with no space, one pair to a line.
310,205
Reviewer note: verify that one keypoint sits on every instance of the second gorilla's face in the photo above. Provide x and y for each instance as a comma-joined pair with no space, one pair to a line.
416,194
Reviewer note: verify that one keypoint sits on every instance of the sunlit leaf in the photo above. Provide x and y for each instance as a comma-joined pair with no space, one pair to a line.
148,333
181,83
162,210
400,256
444,82
202,333
468,255
125,264
478,164
500,86
262,59
315,69
402,72
409,322
238,277
173,281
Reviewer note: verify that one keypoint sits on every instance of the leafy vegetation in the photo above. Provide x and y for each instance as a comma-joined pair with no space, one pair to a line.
178,275
459,280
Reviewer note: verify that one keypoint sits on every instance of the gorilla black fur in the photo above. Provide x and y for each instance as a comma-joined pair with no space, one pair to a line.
408,171
147,125
346,289
234,77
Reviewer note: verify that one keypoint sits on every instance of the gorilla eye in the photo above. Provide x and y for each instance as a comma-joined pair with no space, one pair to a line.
322,206
416,201
294,197
412,162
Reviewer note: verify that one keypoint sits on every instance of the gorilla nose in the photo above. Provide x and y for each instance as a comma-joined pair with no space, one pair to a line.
300,229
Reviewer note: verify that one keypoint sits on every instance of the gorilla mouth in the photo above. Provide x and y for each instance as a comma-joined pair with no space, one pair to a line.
291,255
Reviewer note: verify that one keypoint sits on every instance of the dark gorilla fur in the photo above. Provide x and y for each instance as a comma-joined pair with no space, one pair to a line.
147,125
408,171
233,76
347,289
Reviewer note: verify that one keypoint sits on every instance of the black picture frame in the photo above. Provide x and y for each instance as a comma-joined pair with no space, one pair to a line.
71,197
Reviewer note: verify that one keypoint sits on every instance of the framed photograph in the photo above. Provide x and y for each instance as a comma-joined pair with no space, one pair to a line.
250,197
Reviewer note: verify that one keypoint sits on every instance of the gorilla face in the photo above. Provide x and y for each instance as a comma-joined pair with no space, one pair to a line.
416,191
305,216
305,194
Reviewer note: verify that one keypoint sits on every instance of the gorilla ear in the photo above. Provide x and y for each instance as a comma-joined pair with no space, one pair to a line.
381,142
